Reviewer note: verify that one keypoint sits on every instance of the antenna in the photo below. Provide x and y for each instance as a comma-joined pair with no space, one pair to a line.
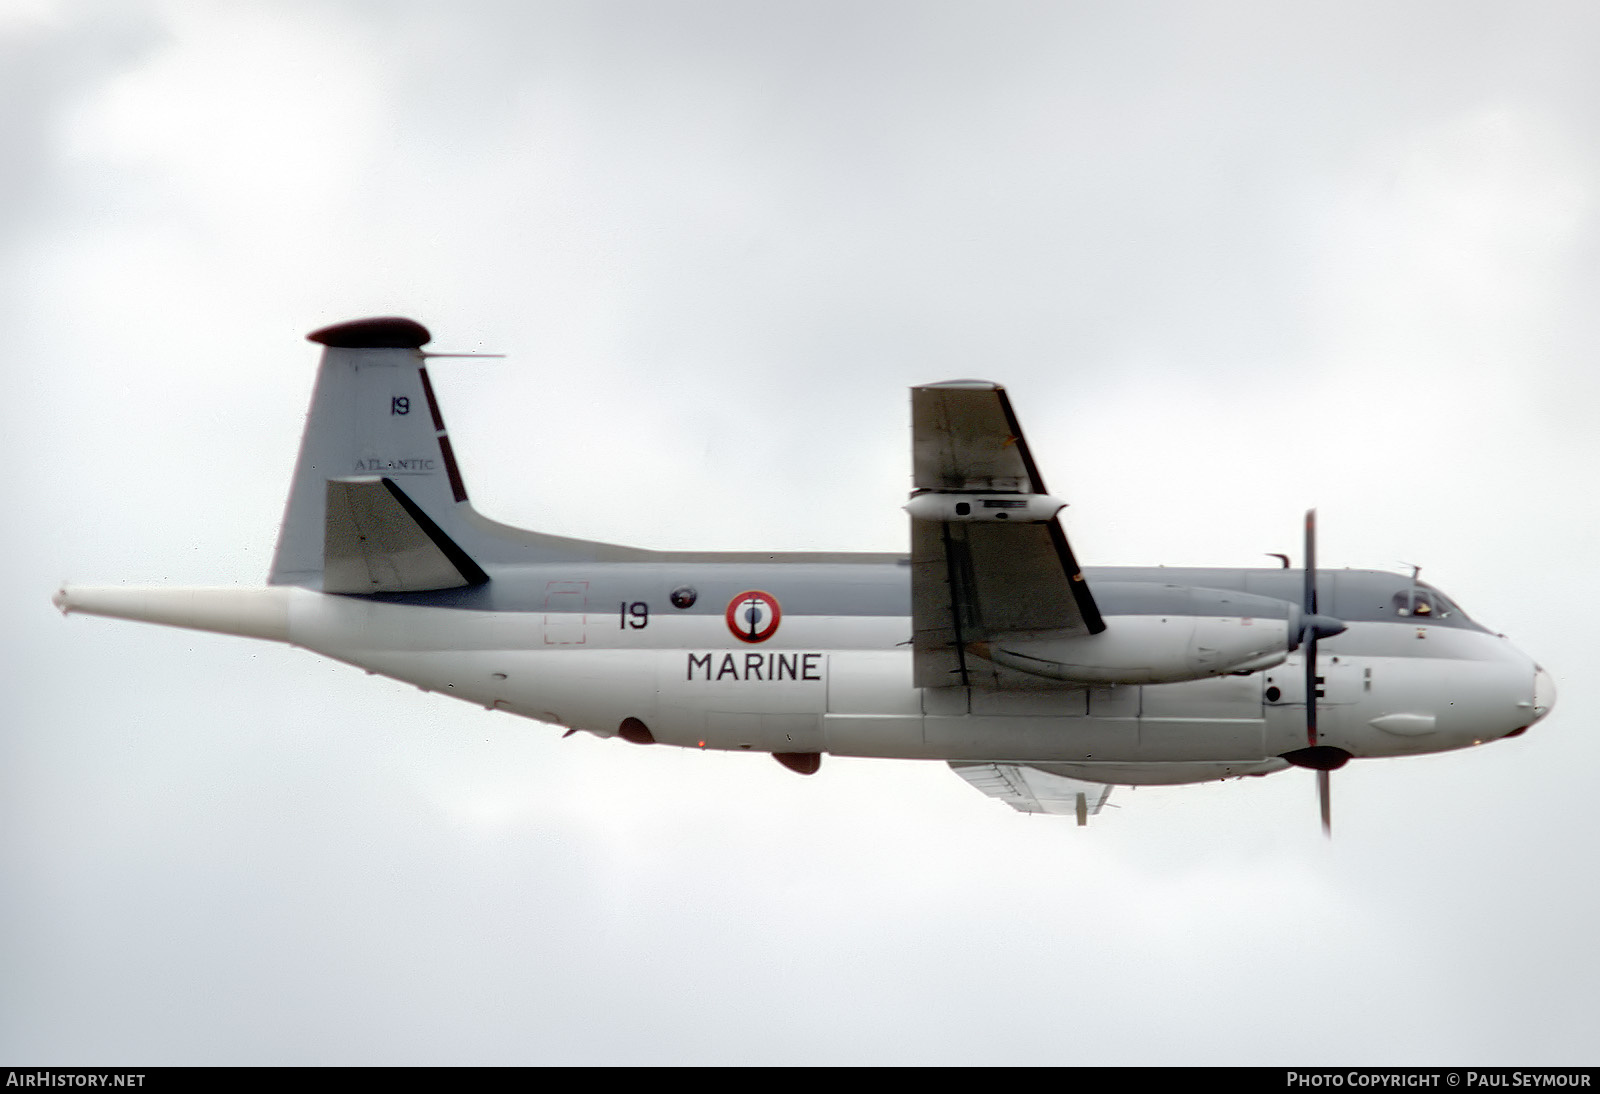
1411,597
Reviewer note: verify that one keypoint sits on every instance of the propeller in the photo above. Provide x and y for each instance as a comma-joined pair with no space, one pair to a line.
1314,626
1313,739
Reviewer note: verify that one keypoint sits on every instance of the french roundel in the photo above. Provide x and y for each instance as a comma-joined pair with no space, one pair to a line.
753,616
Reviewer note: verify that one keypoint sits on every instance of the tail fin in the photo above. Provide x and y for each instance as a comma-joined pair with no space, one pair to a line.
373,415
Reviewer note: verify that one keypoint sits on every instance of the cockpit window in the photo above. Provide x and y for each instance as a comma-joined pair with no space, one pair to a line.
1413,602
1421,602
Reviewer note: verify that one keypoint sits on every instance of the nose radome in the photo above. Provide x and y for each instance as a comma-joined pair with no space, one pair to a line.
1544,693
1544,697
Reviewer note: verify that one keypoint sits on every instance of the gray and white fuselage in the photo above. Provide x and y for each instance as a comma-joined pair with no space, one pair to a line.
594,646
591,648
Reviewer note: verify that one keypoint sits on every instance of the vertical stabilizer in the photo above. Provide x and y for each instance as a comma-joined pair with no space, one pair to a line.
372,414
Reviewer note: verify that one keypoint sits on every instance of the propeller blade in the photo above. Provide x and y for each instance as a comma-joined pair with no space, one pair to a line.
1311,690
1324,783
1325,797
1309,639
1310,599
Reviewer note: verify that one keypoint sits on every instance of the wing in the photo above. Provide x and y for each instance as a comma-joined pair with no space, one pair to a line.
988,556
377,540
1029,790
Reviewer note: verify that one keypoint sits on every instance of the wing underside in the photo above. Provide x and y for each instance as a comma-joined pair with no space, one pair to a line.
1030,790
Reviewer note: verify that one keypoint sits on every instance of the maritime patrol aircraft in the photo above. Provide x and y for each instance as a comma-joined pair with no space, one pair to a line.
985,646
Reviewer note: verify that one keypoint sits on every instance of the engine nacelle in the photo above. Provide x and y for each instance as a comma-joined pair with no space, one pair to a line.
1023,508
1219,632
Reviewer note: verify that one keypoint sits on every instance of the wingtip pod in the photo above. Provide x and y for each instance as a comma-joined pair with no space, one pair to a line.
381,332
250,613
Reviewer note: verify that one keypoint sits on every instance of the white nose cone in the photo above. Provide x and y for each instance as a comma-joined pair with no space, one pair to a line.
1544,694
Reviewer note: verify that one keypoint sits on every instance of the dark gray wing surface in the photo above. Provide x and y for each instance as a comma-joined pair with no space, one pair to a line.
974,579
965,437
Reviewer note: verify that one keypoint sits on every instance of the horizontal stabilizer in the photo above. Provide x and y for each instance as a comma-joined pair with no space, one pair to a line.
377,540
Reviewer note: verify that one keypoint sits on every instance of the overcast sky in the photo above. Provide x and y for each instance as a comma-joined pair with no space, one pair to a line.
1231,259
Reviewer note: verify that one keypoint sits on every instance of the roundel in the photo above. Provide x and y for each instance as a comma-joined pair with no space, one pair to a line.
753,616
